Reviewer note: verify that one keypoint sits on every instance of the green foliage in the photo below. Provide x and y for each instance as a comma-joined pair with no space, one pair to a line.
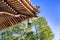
8,33
43,31
30,36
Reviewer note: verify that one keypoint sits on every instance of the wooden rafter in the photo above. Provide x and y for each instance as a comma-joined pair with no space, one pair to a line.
13,12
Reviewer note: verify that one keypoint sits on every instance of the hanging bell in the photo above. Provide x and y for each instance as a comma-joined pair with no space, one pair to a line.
29,21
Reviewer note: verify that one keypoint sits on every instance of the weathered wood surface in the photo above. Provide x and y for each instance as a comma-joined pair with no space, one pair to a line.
18,7
8,20
16,11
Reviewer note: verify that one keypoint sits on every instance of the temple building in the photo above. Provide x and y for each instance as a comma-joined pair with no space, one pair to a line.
13,12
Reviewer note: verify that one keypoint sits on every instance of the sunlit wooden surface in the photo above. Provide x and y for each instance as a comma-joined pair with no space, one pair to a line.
13,12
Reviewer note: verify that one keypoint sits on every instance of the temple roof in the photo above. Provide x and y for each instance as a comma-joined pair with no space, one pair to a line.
13,12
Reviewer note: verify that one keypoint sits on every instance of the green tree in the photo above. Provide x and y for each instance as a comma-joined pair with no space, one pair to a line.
19,32
23,31
8,33
44,32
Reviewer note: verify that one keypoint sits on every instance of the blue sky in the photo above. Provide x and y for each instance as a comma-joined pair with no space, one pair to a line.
50,9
